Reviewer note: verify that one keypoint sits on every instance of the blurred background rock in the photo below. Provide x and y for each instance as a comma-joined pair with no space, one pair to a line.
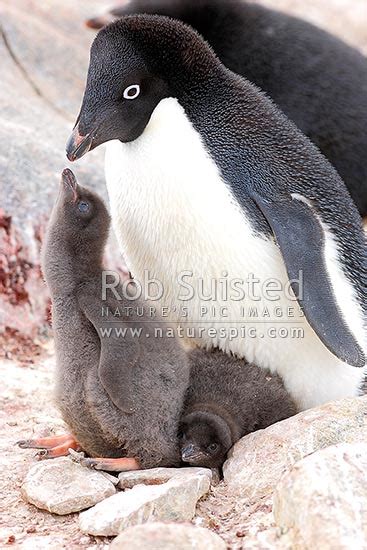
44,48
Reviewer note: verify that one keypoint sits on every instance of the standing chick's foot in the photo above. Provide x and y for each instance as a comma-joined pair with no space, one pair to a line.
51,447
106,464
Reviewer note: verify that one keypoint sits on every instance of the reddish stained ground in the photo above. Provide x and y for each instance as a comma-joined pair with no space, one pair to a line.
25,307
23,349
14,267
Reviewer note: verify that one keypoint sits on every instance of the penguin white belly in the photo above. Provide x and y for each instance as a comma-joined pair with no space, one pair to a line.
173,214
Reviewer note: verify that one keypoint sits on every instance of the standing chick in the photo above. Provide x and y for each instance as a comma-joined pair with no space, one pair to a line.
226,400
121,395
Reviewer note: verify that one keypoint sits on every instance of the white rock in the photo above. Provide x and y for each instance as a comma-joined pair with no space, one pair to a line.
257,461
174,500
62,487
323,499
43,543
156,476
167,536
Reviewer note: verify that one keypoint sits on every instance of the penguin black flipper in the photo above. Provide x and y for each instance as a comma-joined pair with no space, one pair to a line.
301,240
119,353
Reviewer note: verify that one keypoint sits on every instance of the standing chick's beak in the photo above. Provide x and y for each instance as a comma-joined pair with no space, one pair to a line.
69,183
78,145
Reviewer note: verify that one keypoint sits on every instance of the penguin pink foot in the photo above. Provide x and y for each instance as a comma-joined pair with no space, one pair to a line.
107,464
51,447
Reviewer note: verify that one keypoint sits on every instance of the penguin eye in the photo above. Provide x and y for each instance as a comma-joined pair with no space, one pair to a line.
83,206
132,92
213,447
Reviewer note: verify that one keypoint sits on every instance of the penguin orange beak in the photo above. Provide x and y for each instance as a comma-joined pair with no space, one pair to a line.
78,145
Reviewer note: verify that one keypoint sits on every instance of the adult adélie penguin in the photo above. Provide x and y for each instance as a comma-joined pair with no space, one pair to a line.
316,79
206,176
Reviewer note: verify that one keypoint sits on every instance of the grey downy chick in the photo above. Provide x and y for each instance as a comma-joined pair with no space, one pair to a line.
227,399
120,396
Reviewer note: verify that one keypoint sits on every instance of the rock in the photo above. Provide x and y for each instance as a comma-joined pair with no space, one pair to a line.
174,500
42,543
167,536
35,122
157,476
257,461
267,539
62,487
323,499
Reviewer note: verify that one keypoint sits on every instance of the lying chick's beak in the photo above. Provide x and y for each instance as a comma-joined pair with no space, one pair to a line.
78,145
191,453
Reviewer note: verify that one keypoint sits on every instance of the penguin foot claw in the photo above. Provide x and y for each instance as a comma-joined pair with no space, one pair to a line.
81,459
41,454
50,447
105,464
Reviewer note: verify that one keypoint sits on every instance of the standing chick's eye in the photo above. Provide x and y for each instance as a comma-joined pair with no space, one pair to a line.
213,447
132,92
83,206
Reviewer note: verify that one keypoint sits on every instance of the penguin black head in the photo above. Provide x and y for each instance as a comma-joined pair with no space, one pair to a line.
134,64
80,215
205,439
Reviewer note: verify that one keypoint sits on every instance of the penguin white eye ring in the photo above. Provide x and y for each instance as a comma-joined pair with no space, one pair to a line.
132,92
